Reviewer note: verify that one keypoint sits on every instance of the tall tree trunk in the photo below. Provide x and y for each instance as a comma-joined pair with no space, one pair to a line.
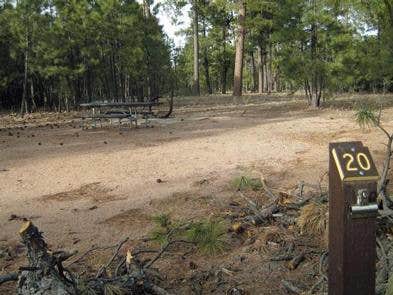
23,107
89,84
307,90
224,65
265,72
206,62
127,87
33,103
254,73
224,79
271,74
260,69
196,88
315,83
238,73
315,80
114,76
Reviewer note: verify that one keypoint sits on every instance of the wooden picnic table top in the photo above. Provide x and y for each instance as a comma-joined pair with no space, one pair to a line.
120,104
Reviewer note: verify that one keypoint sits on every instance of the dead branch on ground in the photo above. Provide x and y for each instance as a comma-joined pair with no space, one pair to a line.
46,273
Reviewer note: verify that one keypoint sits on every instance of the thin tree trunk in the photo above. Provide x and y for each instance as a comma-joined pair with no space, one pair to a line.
273,74
238,73
224,66
127,87
315,81
89,86
33,103
114,78
260,69
23,108
66,103
270,67
196,88
265,72
254,73
206,62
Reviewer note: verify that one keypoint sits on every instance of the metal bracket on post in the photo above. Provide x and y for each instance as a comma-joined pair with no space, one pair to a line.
352,212
362,208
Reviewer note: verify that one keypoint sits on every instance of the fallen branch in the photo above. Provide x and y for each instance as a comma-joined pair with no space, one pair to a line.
8,277
162,251
263,214
84,255
322,276
285,257
294,263
103,268
291,287
267,190
46,272
252,205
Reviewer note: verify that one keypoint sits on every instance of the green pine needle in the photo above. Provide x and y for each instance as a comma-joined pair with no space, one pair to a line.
163,225
209,236
162,220
366,116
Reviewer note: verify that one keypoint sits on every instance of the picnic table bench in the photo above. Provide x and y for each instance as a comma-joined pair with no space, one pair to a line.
102,110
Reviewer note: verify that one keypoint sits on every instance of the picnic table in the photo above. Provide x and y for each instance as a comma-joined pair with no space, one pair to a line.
129,111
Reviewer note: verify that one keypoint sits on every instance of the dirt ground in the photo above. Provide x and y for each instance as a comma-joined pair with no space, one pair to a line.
96,186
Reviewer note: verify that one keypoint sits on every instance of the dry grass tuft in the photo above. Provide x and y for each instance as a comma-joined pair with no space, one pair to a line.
313,219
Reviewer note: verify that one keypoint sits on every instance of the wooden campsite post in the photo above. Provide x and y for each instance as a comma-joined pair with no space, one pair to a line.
352,213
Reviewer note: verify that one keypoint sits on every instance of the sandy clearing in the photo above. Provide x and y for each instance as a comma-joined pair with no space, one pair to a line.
214,144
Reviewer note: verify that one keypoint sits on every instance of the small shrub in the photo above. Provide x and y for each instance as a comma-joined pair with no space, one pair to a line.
244,182
162,220
209,236
366,116
159,235
163,226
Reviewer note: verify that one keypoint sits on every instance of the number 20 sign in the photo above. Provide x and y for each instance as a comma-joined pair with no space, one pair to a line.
354,162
